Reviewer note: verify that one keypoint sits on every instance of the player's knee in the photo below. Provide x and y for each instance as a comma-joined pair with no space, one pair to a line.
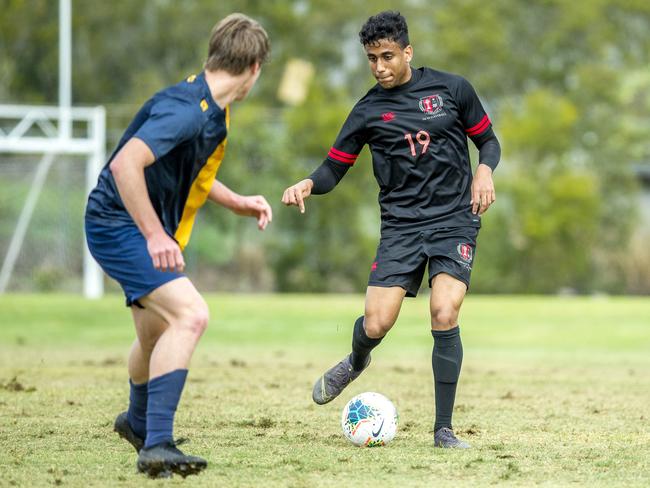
443,317
200,320
377,325
196,320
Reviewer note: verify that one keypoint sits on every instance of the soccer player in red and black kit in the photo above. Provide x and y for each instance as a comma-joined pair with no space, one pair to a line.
416,122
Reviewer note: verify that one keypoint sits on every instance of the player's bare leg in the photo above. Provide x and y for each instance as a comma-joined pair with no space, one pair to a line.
447,294
381,311
179,305
149,326
132,424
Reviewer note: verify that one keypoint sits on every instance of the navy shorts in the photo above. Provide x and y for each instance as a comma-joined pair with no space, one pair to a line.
121,251
401,259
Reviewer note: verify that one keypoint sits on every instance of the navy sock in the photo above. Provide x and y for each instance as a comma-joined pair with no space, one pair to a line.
361,345
164,395
137,413
446,361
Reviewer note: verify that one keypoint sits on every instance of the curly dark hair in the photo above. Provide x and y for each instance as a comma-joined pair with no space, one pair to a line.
388,25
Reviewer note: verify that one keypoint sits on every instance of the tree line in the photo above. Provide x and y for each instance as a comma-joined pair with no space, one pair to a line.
565,82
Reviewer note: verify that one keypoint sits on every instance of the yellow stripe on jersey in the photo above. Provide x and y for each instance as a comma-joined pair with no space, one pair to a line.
200,189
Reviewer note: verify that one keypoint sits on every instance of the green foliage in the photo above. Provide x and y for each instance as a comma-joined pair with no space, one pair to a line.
564,81
539,239
541,126
326,248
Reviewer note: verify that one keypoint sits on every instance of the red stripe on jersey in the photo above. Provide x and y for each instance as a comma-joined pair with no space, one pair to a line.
340,159
480,127
341,156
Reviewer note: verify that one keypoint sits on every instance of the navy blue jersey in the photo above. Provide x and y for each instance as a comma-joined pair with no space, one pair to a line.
417,133
186,131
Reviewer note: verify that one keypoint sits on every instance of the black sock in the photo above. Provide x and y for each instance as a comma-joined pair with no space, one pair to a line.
446,361
361,345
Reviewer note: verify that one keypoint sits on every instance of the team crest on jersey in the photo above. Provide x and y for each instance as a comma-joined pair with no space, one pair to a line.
431,104
465,252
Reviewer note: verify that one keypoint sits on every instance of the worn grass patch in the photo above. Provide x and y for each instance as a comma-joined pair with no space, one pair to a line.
553,392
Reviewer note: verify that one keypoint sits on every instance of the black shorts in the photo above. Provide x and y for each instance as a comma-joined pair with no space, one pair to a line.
401,259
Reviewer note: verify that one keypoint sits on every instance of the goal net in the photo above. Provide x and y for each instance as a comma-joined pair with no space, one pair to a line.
45,175
51,255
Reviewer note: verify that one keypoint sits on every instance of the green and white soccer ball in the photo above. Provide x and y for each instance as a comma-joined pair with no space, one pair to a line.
369,419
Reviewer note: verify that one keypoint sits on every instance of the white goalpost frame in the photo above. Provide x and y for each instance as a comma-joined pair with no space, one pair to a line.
56,124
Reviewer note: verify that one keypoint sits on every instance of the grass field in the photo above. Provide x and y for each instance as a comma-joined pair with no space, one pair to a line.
554,391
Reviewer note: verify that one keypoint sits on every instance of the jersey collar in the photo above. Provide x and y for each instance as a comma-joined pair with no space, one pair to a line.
214,108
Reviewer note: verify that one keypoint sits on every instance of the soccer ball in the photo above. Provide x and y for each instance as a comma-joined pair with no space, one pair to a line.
369,419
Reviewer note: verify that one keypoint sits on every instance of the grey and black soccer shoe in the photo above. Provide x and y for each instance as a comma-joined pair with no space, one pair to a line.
445,438
334,381
165,459
123,428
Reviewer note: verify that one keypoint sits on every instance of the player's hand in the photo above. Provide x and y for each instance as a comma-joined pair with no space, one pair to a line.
165,253
297,194
255,206
483,194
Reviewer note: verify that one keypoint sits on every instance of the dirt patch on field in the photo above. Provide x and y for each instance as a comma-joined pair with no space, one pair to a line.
14,385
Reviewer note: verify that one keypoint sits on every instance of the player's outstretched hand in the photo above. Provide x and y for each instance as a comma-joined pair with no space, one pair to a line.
256,206
483,194
165,252
297,194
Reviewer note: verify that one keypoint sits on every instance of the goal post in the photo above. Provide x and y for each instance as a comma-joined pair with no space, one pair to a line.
54,131
31,129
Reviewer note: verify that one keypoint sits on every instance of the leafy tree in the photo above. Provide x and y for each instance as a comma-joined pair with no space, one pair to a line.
564,81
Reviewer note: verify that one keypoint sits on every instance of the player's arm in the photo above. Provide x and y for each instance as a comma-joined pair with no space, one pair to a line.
128,172
340,158
479,129
489,153
249,206
321,181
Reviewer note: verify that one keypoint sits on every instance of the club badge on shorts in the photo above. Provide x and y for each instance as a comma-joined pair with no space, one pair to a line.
465,252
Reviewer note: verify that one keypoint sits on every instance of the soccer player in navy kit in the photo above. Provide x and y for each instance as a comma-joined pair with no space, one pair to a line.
416,123
139,219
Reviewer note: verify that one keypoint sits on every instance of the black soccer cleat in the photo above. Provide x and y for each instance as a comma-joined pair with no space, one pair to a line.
123,428
445,438
161,460
334,381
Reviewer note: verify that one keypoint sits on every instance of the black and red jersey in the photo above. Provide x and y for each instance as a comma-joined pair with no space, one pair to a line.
417,134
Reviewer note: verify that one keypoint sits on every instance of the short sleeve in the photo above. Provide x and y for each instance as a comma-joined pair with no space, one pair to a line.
351,138
473,117
170,124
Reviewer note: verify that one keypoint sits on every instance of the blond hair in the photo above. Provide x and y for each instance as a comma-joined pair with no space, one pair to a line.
236,43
